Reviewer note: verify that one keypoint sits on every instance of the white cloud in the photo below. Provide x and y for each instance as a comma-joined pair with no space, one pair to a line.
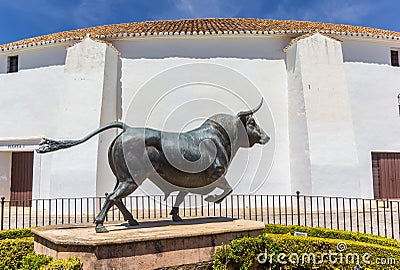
339,11
207,8
91,12
345,11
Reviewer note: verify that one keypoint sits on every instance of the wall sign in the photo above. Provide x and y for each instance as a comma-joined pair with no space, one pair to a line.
15,146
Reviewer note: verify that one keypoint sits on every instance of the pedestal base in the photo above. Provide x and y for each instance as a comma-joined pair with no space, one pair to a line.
151,245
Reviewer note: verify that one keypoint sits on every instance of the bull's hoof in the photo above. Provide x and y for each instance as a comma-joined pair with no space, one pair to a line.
219,200
132,222
175,214
101,229
212,198
216,199
174,211
176,218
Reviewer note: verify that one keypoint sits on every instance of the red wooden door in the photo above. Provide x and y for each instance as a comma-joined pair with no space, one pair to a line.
21,178
386,174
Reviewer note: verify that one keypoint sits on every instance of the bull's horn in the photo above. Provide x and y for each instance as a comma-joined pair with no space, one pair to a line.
252,111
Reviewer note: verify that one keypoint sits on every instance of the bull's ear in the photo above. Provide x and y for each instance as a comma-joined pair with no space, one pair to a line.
244,119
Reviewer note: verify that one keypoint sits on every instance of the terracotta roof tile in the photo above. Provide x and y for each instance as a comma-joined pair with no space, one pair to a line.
293,41
206,26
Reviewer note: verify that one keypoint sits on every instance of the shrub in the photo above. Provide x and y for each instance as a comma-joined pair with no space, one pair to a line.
15,234
71,263
332,234
12,251
243,253
16,252
34,261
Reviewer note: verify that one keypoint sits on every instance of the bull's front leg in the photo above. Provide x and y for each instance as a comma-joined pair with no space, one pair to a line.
223,184
125,212
175,209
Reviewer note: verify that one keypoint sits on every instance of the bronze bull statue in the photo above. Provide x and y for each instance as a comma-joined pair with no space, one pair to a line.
195,161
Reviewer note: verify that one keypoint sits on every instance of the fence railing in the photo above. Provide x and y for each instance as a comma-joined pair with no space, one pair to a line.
379,217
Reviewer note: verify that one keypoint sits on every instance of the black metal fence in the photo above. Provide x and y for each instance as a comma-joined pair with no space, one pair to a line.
379,217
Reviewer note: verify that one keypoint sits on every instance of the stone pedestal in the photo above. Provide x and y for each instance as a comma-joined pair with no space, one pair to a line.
151,245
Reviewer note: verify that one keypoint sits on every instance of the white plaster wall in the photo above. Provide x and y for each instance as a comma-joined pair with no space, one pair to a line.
50,100
332,149
146,84
373,91
373,51
73,171
300,164
62,102
30,102
5,174
38,57
42,57
3,63
36,107
260,59
250,47
105,177
33,101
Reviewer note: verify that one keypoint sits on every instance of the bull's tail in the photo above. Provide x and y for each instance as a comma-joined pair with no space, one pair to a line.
50,145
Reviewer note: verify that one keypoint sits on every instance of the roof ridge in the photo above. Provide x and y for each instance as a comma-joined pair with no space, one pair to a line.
310,34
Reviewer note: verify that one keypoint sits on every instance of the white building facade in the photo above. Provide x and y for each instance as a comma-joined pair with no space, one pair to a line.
331,103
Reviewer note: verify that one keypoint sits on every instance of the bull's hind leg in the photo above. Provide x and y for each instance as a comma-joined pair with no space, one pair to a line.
175,209
124,188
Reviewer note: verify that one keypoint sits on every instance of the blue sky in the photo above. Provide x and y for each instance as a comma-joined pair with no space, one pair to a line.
21,19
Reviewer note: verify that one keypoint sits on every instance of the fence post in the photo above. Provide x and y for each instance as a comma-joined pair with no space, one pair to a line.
2,213
298,207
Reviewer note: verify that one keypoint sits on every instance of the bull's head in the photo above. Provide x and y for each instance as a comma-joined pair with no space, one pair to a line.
254,133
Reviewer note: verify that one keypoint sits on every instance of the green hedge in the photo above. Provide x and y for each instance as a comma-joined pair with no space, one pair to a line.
71,263
41,262
15,234
16,252
332,234
12,252
243,253
34,261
